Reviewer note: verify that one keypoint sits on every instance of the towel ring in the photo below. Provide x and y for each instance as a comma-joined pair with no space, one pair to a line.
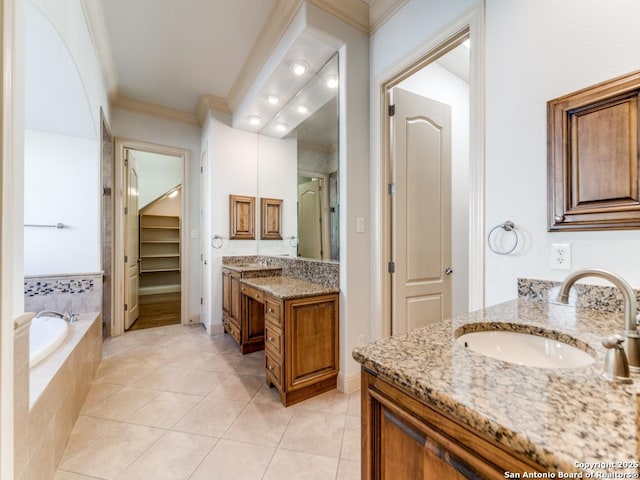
507,226
216,241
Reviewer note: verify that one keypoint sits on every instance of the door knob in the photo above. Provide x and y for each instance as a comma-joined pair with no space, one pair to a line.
448,271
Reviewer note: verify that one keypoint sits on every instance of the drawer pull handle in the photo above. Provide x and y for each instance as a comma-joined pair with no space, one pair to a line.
271,368
243,289
271,339
270,310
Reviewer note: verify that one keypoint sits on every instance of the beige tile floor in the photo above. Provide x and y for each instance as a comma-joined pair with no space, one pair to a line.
173,403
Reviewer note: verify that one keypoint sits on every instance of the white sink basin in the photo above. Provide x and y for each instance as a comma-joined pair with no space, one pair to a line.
525,349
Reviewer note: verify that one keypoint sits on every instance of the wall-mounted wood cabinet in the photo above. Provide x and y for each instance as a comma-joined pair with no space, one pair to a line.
242,217
593,162
270,219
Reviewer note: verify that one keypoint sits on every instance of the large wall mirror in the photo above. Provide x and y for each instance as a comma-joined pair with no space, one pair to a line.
298,163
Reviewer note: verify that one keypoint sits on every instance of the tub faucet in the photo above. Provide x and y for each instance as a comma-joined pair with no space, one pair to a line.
65,316
632,337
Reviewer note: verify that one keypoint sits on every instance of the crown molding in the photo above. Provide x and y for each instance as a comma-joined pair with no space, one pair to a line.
382,10
97,25
206,103
353,12
124,103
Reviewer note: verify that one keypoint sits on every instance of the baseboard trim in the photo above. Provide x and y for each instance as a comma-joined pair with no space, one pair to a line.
159,290
350,383
216,329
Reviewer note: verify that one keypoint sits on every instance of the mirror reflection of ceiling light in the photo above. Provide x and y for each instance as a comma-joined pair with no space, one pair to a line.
254,120
173,194
302,109
298,68
467,43
332,81
282,127
273,100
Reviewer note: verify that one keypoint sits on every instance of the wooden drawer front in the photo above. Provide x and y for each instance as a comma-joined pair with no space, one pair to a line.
252,292
234,331
273,370
273,310
273,340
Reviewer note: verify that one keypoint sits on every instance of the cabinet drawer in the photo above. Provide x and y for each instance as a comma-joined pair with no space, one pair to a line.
273,370
273,310
252,293
273,340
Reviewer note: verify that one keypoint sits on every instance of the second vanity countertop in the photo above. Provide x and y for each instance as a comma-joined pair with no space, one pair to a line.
555,417
287,287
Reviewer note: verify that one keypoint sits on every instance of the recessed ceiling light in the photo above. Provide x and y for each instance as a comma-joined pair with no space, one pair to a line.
282,127
332,81
173,194
254,120
272,99
299,68
302,109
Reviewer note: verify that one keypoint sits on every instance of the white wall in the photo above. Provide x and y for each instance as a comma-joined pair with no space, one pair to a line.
157,174
536,51
61,186
440,84
147,128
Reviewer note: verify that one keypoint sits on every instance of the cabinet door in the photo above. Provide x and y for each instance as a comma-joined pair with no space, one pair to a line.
311,340
235,298
252,321
226,292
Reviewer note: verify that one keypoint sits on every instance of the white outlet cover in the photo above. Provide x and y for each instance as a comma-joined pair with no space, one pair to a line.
561,256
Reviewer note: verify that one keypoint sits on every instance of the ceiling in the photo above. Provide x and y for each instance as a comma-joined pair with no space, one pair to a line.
173,53
169,52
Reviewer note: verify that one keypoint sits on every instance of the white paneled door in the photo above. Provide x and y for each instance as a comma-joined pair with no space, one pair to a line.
132,243
421,211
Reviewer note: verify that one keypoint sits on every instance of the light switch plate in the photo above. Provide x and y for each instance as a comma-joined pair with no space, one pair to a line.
360,225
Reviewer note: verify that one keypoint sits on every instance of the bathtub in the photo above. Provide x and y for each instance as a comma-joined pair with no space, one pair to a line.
45,335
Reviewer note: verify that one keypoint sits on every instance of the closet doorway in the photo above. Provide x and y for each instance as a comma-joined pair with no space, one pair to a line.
152,284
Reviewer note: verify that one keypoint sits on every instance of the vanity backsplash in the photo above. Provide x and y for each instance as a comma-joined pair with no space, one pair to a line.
326,273
598,297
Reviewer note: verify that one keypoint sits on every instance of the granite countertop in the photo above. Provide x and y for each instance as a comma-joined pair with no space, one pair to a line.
555,417
251,267
288,287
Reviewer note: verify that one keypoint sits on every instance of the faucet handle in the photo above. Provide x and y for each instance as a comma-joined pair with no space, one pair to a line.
616,366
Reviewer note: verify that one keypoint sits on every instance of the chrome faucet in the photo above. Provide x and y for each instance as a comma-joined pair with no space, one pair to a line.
632,337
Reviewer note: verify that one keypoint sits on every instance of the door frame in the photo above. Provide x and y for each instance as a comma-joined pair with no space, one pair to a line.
471,25
122,144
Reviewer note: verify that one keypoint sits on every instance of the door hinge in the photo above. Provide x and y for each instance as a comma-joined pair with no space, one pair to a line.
201,257
126,307
392,267
391,188
201,303
126,210
392,110
126,157
201,169
126,259
106,191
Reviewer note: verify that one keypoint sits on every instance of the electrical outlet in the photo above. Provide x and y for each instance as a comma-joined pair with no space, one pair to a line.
561,256
360,340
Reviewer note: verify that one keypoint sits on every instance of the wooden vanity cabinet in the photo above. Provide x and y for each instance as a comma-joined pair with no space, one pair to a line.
301,345
232,305
404,439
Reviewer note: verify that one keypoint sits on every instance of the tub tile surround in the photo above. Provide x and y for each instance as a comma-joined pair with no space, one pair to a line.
232,427
57,388
21,392
553,417
76,293
324,272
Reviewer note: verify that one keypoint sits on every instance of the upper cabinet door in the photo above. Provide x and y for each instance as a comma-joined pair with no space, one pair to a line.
593,181
242,214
